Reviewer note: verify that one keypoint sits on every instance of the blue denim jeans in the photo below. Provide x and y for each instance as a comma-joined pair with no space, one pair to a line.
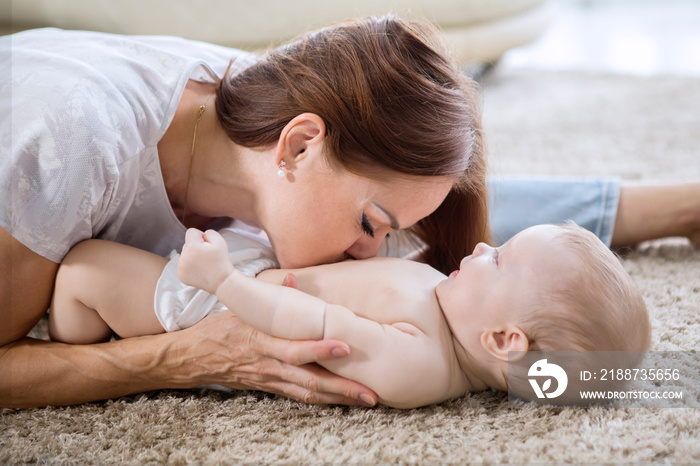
517,203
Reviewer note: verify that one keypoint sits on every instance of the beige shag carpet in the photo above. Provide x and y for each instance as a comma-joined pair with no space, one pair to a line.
546,123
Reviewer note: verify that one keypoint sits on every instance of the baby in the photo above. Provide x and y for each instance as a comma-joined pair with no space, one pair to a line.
416,336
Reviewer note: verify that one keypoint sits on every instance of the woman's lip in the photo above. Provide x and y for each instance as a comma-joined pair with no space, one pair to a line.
454,274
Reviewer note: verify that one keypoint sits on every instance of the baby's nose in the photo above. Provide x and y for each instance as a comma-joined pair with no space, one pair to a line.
480,249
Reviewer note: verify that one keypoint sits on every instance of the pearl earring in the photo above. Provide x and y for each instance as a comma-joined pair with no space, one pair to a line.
281,171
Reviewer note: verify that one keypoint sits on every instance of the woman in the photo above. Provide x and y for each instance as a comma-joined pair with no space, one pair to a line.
133,140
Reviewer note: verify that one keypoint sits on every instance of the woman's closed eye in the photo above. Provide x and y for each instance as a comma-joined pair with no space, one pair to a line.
367,227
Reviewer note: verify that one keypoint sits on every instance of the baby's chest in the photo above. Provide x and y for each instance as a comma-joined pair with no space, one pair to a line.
384,290
389,305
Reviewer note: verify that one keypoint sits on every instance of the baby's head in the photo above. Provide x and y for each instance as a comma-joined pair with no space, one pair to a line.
549,288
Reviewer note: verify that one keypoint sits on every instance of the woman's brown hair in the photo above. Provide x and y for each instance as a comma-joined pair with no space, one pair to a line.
393,103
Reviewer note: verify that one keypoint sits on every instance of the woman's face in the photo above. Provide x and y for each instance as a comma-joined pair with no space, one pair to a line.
322,215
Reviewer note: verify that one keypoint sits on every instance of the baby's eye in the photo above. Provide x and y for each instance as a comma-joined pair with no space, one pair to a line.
496,253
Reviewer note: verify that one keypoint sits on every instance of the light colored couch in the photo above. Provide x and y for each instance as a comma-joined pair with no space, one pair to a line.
479,30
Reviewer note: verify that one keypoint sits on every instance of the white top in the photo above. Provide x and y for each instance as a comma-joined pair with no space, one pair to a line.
179,306
81,115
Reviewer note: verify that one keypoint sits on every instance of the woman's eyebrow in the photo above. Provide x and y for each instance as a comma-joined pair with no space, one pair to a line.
392,220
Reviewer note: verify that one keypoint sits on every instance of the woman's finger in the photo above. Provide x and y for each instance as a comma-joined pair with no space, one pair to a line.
312,384
323,385
300,354
304,395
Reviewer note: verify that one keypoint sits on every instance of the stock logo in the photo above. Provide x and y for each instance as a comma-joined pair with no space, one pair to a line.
542,368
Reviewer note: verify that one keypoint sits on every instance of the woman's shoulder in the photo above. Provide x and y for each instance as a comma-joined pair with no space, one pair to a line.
128,85
215,57
103,93
167,55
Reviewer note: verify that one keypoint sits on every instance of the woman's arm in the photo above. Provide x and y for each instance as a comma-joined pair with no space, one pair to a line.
40,373
26,284
219,350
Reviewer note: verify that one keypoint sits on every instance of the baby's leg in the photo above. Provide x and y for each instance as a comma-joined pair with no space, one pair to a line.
104,287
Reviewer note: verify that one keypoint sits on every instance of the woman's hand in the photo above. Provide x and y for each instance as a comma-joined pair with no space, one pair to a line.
226,351
204,262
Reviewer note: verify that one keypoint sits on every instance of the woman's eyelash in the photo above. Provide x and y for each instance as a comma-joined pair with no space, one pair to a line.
367,227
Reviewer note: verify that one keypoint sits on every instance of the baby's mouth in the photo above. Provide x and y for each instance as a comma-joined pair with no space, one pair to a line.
454,274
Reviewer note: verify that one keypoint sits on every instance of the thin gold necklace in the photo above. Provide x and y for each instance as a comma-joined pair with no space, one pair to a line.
200,112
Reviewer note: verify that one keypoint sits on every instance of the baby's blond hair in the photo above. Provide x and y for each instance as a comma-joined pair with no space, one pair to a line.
598,309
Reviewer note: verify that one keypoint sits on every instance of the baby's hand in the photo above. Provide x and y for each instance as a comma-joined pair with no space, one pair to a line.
204,261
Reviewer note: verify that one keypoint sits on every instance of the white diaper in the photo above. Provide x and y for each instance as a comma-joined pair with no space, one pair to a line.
179,306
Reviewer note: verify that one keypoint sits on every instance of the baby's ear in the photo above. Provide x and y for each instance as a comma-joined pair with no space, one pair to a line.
499,343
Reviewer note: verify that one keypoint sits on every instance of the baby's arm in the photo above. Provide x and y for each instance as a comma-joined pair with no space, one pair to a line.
276,310
398,361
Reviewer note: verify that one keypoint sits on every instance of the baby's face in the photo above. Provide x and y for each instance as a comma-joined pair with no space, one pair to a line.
495,286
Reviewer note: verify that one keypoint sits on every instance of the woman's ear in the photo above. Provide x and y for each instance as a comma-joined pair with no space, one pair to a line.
303,135
509,340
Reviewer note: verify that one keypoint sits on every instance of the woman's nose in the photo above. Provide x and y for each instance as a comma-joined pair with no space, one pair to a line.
481,248
365,247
